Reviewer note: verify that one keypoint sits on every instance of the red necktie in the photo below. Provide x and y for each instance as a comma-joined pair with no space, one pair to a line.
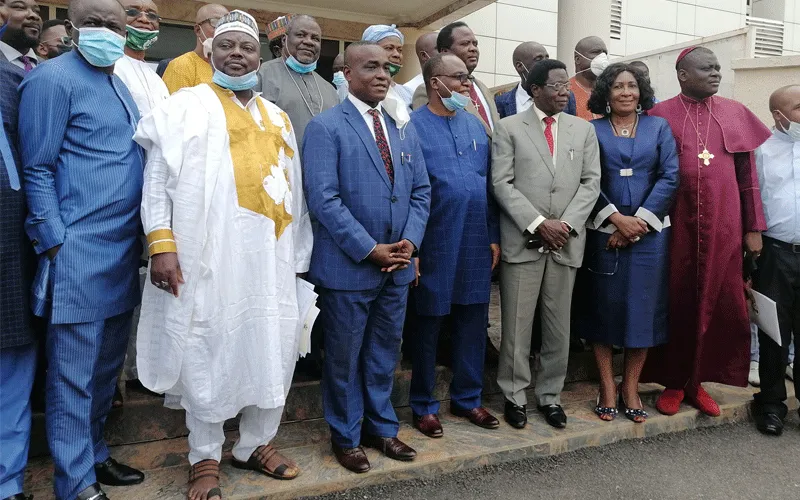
28,62
548,132
473,94
383,145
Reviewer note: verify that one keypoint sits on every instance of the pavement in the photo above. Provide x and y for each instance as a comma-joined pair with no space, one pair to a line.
730,462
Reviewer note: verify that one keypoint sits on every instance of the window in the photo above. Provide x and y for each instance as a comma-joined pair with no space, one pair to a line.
616,19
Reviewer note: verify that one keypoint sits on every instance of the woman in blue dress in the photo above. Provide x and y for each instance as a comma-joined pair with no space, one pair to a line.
623,282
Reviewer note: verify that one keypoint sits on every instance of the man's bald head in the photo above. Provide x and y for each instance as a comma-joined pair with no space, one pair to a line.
585,50
338,62
107,11
210,11
426,47
526,55
784,104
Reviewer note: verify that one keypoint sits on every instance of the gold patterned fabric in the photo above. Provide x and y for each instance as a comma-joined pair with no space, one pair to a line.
262,181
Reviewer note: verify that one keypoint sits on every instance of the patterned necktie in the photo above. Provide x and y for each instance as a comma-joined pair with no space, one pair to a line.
548,132
473,94
383,145
28,62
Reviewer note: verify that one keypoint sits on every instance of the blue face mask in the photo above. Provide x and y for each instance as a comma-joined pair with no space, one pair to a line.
456,101
339,79
299,67
100,46
235,83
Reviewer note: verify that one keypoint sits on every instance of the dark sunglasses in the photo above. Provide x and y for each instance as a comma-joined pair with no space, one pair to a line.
150,15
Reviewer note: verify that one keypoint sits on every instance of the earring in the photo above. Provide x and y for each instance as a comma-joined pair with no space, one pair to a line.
638,109
608,109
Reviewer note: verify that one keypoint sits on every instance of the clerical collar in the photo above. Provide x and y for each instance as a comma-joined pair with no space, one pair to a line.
692,100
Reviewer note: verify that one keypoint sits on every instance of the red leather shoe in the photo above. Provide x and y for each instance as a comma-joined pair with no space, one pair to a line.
700,399
669,402
428,425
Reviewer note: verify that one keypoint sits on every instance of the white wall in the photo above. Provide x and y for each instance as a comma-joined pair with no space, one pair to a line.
646,25
502,26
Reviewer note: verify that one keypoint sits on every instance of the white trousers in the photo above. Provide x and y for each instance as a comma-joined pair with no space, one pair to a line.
257,427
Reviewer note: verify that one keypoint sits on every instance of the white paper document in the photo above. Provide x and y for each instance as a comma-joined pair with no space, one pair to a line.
308,312
767,316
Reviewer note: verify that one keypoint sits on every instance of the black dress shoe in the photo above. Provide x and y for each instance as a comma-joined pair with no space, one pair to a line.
93,492
390,446
770,424
113,473
516,416
554,415
19,496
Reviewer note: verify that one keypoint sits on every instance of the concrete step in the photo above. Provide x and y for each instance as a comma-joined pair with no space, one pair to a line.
143,418
463,446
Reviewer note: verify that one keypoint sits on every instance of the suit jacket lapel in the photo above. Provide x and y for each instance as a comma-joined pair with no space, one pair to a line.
564,141
534,131
355,120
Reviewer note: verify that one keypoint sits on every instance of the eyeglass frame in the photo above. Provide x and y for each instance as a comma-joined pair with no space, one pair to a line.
147,13
213,25
616,263
559,86
463,78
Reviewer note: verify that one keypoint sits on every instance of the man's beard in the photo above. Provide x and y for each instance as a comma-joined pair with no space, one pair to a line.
19,39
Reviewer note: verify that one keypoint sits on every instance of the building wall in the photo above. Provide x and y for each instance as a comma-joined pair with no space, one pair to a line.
646,25
756,79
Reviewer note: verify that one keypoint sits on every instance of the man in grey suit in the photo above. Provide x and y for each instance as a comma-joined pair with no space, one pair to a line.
458,39
546,178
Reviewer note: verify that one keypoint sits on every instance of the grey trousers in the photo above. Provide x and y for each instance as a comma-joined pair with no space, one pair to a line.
521,286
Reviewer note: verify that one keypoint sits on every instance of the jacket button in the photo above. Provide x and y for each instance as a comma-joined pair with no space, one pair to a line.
394,199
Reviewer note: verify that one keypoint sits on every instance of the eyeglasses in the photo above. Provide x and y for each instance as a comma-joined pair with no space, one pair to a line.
558,87
463,78
213,21
595,261
150,15
64,40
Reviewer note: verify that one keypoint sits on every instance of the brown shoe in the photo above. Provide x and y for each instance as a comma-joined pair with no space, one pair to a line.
352,459
478,416
428,425
390,446
267,460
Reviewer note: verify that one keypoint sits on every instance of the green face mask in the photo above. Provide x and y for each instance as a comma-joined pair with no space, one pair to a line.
140,39
394,69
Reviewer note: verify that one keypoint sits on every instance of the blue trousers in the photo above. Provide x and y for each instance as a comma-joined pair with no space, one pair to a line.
17,370
84,360
363,331
469,350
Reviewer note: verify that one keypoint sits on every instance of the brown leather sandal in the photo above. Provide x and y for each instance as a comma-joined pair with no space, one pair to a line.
267,460
202,469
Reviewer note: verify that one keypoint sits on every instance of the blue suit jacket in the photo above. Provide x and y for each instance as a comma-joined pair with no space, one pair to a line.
507,103
353,204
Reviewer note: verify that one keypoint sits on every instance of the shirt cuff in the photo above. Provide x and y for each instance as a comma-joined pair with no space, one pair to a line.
369,253
47,234
604,214
649,217
161,241
535,224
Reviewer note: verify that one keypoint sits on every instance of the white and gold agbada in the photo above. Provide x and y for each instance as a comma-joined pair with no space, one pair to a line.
228,197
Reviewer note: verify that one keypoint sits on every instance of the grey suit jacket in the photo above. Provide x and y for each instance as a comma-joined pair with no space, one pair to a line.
421,99
526,185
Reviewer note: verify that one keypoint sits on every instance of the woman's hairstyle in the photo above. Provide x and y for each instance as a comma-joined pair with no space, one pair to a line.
602,88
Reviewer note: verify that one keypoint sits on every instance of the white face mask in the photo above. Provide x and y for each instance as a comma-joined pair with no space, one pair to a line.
207,45
598,64
793,130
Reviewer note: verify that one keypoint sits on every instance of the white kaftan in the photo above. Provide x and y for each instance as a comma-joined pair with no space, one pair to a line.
230,339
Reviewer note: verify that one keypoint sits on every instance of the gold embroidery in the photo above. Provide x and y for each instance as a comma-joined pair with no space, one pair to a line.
262,183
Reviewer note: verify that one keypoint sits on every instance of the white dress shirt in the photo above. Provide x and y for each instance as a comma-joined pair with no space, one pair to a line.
12,55
778,166
414,83
524,101
541,115
364,109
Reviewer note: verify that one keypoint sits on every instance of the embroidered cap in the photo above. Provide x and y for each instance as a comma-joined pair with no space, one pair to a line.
278,27
237,20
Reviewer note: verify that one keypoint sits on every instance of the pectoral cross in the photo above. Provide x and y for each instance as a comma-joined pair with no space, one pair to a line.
706,157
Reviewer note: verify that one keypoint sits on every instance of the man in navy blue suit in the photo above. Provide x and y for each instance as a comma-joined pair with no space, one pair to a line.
368,191
515,101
